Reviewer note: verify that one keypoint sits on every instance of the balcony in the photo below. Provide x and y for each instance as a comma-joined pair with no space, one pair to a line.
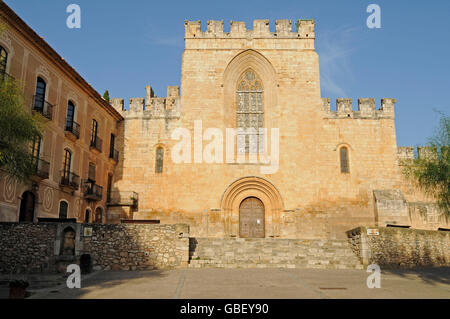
92,191
96,144
117,198
42,169
72,130
43,107
114,155
69,180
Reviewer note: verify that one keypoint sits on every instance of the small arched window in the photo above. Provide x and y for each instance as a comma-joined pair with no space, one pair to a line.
3,60
39,97
87,216
343,154
98,218
70,115
36,147
94,131
159,160
67,160
63,209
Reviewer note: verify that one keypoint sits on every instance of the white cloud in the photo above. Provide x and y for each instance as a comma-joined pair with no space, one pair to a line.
335,49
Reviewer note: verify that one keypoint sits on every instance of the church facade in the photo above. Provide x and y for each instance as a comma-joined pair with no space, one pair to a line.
251,149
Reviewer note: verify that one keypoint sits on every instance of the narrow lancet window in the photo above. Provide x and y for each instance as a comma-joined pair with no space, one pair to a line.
345,168
159,160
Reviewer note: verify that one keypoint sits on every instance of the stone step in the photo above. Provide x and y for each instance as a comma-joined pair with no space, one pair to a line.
271,252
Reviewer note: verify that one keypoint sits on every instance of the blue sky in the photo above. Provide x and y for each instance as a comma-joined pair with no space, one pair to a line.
124,45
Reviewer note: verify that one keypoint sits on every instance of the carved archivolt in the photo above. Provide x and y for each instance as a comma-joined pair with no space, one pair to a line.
260,65
251,187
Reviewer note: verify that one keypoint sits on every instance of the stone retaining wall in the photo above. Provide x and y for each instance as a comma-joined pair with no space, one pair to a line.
30,248
138,247
26,247
401,248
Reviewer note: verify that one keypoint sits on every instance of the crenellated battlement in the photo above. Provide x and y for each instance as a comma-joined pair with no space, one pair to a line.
366,108
284,29
406,154
151,106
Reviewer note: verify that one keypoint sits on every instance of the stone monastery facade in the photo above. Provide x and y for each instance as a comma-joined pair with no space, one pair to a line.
336,169
285,162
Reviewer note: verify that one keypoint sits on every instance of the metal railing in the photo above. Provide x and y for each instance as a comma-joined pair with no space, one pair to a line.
70,179
114,154
74,128
42,106
91,190
42,168
117,198
97,143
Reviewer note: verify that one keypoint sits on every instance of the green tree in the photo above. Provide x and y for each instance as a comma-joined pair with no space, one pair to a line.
432,172
106,96
18,129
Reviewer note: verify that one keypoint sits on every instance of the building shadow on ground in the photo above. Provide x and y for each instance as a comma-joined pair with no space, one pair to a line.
98,280
438,275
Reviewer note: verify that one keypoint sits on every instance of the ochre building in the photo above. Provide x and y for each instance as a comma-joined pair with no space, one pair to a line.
77,155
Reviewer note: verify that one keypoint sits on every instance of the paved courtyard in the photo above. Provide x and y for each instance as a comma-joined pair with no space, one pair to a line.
248,283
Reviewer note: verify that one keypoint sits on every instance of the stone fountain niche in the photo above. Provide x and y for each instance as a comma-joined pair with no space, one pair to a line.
68,242
68,245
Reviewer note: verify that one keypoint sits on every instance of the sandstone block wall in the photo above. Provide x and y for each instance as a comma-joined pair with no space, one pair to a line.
31,248
312,197
401,248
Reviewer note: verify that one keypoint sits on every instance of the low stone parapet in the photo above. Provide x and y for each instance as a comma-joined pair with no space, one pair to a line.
395,247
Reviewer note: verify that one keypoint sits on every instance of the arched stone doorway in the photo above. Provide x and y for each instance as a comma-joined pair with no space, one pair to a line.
255,187
27,207
251,218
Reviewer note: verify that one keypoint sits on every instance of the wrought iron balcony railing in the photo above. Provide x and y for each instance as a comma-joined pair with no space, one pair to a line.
74,128
114,154
92,191
70,179
117,198
42,168
42,106
96,143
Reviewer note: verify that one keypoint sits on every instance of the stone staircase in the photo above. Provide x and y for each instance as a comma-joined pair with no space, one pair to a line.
271,253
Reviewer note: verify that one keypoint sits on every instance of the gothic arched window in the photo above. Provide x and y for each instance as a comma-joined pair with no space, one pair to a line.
159,160
343,154
249,113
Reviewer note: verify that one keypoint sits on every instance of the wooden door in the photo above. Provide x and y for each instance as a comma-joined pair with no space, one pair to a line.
27,208
251,218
